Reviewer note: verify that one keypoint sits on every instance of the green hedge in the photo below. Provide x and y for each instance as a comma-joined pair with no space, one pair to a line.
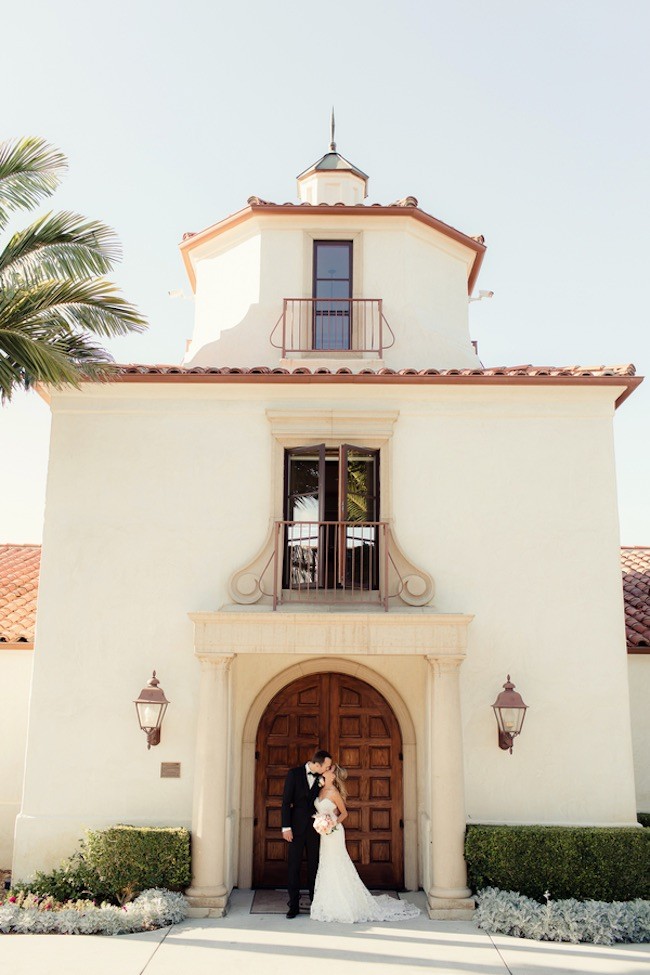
587,863
643,818
116,864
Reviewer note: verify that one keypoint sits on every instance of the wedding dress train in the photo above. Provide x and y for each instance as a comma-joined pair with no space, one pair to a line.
340,894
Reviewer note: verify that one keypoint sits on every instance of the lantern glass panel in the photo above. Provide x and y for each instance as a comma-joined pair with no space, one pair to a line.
149,714
511,719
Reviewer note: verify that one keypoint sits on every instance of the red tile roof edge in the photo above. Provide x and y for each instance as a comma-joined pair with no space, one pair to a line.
623,375
635,562
623,371
19,571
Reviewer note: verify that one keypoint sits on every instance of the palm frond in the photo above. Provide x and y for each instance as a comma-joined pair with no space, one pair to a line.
357,492
90,305
30,171
53,296
37,354
58,245
357,507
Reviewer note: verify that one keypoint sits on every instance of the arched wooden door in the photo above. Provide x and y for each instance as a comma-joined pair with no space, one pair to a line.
356,724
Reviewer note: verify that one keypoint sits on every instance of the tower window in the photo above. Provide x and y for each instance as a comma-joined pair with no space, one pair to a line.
332,291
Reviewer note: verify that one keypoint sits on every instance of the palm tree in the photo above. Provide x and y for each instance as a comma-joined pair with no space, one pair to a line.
54,297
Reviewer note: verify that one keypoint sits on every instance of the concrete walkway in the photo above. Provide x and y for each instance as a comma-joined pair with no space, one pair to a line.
269,944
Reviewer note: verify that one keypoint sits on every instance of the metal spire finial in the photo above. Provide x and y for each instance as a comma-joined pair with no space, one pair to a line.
332,127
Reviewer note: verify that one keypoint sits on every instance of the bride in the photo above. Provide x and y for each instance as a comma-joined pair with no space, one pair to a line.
340,894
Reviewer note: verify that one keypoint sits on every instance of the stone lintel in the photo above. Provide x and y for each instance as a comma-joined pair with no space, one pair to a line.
258,630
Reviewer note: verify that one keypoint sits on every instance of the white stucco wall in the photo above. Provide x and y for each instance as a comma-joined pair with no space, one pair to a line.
639,679
15,678
243,275
156,494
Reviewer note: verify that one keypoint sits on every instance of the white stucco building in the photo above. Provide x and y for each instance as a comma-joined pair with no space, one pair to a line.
330,526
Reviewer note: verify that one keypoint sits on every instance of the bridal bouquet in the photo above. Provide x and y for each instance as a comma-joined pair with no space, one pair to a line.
325,824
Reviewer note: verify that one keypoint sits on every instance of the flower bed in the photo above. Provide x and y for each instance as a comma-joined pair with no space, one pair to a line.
26,913
596,922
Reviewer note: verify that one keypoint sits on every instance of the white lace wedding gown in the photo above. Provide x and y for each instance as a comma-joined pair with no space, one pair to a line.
340,894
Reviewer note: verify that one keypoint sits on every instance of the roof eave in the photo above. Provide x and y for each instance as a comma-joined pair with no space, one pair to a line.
419,379
189,243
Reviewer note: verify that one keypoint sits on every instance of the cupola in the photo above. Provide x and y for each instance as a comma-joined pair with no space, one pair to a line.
333,179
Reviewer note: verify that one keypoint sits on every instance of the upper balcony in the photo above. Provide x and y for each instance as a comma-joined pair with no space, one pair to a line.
326,326
331,564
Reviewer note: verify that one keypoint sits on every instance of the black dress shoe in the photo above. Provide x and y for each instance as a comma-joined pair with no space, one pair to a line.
292,912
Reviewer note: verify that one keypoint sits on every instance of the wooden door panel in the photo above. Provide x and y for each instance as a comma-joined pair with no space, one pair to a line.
278,754
380,787
280,726
350,757
350,726
354,722
380,819
377,727
273,818
275,785
379,756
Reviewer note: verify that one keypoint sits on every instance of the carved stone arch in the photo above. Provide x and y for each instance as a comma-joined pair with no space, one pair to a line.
385,688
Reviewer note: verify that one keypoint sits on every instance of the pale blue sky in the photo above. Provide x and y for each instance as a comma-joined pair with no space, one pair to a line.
527,122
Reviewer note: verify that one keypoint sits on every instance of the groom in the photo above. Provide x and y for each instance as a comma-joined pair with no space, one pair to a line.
300,789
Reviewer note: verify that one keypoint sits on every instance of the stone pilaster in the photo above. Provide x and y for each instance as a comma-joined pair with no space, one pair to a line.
208,895
448,896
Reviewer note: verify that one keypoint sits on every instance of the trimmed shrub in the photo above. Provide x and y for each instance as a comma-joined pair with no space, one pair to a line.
581,862
129,859
643,818
116,864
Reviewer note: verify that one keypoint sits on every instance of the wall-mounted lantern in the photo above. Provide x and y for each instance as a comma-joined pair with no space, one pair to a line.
510,711
150,707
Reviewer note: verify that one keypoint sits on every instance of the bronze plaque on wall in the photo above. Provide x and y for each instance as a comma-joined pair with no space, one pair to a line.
170,770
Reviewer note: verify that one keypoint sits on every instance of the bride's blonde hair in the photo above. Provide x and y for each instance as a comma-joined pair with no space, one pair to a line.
340,775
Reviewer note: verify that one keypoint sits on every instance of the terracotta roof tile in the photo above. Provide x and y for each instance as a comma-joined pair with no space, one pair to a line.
635,563
527,370
19,568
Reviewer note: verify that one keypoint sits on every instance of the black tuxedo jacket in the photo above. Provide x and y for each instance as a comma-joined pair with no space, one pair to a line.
298,800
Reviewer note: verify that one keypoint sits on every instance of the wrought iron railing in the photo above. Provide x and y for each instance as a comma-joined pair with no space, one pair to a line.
331,325
327,562
331,563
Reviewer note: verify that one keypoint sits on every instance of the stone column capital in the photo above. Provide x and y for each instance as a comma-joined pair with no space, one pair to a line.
220,661
445,665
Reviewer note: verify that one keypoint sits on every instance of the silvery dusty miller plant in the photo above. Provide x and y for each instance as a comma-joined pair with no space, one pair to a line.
29,914
595,922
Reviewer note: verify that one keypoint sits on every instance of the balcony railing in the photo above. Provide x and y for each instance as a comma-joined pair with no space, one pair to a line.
332,325
331,563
